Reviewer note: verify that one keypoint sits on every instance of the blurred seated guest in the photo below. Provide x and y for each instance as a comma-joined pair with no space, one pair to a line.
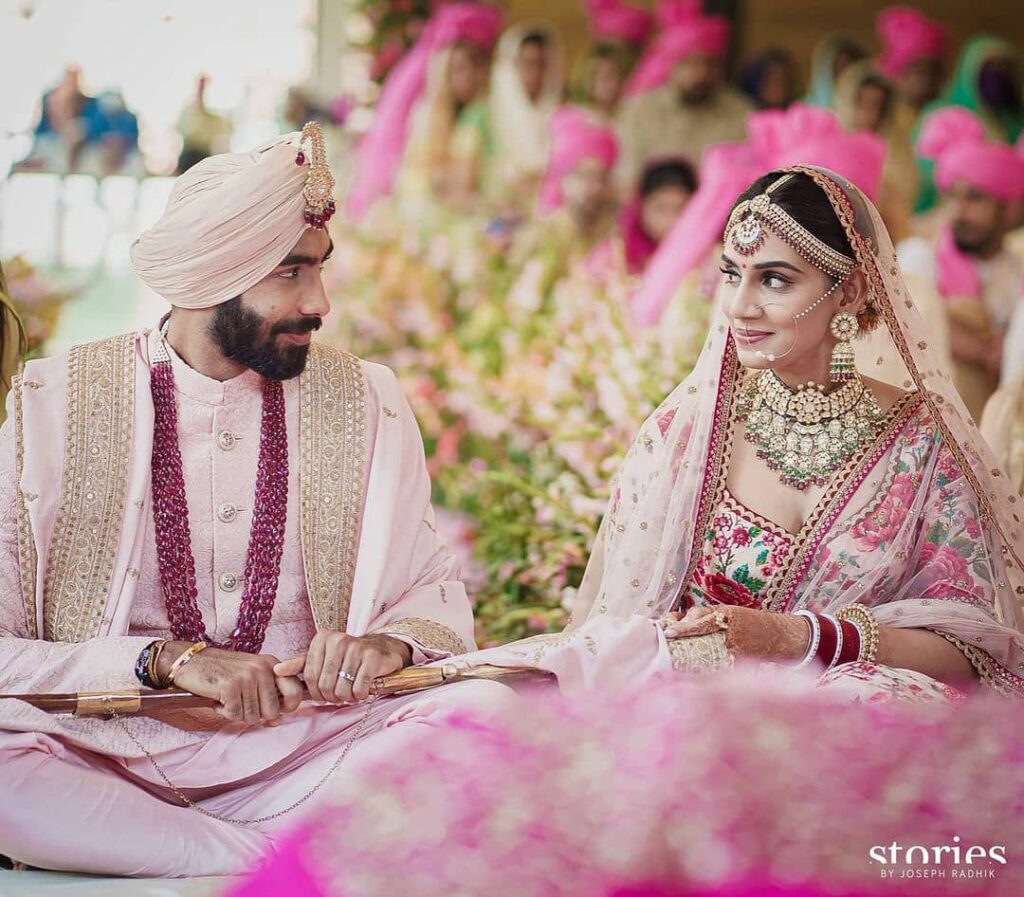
66,118
663,192
299,107
677,103
113,144
448,158
600,78
576,202
203,132
526,87
431,129
987,81
967,263
770,80
866,101
13,344
832,55
1002,425
913,59
619,32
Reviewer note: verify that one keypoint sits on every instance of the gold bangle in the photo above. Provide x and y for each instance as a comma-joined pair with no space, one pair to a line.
154,657
185,656
862,617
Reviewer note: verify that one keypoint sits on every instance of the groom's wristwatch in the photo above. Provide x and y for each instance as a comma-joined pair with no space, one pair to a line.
145,665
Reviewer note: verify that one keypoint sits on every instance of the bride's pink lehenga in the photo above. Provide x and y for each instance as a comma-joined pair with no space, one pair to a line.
759,774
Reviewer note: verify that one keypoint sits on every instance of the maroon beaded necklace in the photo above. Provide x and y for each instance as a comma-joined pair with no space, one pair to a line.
170,512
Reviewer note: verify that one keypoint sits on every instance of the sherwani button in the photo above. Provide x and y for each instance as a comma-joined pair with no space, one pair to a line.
227,512
226,440
228,582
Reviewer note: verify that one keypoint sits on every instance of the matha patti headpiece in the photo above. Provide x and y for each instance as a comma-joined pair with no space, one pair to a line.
751,220
319,187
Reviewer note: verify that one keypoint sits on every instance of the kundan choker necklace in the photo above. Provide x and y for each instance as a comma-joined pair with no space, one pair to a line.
170,512
806,434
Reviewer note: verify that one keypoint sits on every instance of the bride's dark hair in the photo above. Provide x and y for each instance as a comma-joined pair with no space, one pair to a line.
806,202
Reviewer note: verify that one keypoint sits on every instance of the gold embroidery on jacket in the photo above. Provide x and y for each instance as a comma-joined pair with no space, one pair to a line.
332,436
100,409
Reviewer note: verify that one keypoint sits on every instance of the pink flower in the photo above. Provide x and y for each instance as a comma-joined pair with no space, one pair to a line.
719,588
881,526
972,527
537,623
722,543
945,568
740,536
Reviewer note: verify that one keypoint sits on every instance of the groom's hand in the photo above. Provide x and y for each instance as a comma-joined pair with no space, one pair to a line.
244,684
340,668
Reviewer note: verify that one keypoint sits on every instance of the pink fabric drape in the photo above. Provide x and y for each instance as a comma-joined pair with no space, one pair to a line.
907,35
380,152
574,137
956,272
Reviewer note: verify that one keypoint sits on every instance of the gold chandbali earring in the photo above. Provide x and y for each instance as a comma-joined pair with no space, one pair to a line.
844,328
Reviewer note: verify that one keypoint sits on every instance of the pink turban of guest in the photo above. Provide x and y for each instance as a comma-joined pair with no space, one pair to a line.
687,31
954,138
799,135
810,135
575,136
380,152
907,35
615,20
229,222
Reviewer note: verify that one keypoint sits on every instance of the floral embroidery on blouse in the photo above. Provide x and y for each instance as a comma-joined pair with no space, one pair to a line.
742,553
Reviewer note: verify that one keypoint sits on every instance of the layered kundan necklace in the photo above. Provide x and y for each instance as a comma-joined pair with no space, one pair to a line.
806,433
170,512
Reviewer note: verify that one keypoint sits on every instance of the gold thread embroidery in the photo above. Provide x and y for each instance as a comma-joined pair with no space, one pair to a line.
717,461
98,437
429,633
700,653
27,557
332,435
985,665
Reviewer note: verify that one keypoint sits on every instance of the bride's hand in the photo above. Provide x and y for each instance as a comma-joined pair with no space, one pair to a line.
749,632
698,620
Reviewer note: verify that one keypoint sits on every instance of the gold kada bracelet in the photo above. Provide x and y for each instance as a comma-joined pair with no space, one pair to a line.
861,617
185,656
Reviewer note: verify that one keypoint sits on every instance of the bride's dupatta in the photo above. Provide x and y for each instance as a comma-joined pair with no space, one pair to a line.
922,526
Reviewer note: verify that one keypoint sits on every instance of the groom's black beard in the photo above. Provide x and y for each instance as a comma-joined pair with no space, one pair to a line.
238,333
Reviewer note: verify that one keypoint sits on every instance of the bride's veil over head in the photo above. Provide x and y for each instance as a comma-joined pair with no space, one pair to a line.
651,536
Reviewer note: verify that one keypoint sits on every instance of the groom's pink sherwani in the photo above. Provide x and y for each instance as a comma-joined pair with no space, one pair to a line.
80,595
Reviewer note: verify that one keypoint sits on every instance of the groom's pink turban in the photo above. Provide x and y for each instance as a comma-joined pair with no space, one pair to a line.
229,222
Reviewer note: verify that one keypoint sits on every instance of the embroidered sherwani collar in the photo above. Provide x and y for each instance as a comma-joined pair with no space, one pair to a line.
198,387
